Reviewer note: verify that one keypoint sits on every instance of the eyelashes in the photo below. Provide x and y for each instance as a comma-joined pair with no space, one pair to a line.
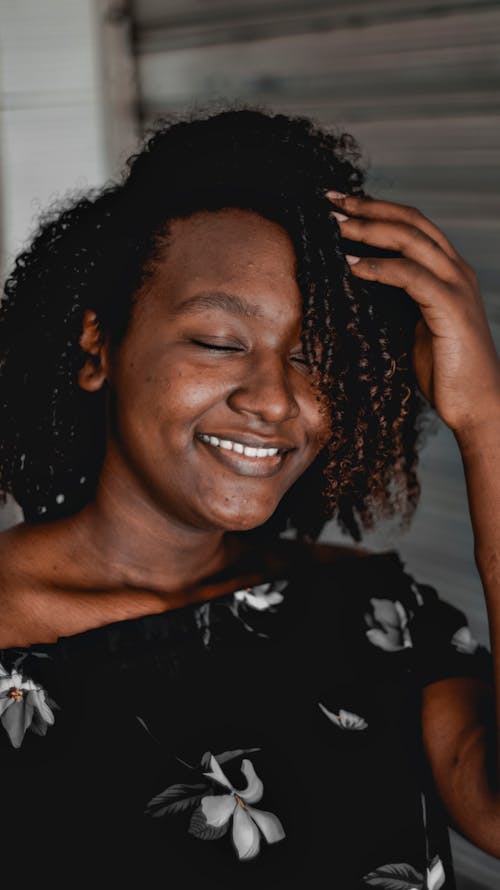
218,348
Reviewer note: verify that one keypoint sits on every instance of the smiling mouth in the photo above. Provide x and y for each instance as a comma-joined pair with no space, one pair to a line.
246,460
254,452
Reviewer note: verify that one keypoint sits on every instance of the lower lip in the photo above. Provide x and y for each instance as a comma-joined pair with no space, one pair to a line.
247,466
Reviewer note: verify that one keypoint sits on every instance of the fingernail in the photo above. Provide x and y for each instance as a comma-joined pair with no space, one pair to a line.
352,259
332,195
341,217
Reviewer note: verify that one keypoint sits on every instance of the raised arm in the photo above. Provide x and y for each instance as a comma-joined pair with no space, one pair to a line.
458,370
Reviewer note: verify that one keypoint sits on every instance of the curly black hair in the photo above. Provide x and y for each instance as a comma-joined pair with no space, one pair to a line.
95,253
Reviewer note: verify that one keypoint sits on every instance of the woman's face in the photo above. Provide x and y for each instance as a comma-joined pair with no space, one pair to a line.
211,364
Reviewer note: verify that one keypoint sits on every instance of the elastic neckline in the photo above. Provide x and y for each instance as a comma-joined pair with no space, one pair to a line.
249,569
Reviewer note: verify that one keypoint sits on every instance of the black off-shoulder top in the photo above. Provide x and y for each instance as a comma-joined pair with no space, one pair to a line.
268,737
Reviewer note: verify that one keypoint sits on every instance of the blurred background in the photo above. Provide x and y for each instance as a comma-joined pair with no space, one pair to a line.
416,82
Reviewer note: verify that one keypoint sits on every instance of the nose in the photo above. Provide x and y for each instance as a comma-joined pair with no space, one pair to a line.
266,390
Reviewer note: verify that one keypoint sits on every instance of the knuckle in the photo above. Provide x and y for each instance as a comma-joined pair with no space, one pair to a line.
454,274
360,225
413,271
458,275
453,293
411,232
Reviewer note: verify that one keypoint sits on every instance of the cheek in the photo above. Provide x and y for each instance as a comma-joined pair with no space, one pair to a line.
189,393
164,402
154,407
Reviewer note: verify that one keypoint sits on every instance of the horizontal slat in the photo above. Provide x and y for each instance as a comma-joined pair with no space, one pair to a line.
385,73
198,23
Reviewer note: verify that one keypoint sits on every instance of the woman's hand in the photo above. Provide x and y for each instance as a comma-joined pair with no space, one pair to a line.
456,364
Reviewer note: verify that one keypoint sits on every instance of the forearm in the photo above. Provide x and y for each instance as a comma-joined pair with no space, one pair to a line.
460,715
480,450
464,760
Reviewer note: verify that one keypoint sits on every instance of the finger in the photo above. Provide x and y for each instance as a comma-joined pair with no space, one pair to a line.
421,284
375,209
409,240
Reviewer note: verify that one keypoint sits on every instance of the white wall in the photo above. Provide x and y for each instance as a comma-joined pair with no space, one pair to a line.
52,133
51,126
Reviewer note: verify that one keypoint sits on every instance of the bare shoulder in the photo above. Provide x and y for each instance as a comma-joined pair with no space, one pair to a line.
20,549
14,556
22,582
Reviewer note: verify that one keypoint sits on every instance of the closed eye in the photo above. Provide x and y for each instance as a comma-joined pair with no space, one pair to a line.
216,347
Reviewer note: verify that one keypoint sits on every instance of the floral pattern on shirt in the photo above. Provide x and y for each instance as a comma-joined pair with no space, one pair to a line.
387,622
464,642
345,719
213,805
217,805
244,605
261,596
24,705
401,876
248,602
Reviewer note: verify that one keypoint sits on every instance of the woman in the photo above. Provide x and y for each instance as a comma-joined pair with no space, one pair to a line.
191,365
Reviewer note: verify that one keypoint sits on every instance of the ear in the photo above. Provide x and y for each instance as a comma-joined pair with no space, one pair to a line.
93,374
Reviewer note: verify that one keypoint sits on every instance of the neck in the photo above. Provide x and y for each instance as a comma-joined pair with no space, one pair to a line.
131,543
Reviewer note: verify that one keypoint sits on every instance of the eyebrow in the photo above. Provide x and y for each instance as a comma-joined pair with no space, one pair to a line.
218,300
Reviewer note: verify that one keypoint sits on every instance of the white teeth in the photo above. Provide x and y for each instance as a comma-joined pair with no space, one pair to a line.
247,450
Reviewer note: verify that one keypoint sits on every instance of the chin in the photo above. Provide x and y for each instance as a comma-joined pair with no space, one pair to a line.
242,522
247,526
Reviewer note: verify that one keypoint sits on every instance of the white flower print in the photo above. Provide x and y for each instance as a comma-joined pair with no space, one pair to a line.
23,705
416,592
262,596
464,642
435,874
215,812
388,625
202,618
401,876
345,719
248,823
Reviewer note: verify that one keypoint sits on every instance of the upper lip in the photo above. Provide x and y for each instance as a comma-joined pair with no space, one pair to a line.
253,441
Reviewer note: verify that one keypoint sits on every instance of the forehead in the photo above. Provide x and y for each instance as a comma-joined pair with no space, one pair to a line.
229,251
